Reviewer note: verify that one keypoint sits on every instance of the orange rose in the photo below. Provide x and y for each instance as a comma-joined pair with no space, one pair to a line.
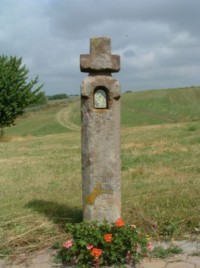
96,252
108,238
119,222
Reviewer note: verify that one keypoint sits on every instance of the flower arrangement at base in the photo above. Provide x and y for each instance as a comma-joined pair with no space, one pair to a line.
91,244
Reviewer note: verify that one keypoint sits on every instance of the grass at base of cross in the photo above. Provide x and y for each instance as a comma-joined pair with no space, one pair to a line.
41,185
41,190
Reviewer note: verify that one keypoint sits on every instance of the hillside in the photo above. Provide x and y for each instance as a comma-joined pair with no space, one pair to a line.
161,106
137,108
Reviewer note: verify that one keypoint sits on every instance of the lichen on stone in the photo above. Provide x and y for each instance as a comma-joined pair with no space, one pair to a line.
97,191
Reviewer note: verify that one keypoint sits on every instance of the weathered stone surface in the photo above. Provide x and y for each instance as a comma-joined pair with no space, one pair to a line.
91,82
179,265
101,157
194,260
100,134
100,58
178,257
188,246
103,63
154,263
2,264
100,45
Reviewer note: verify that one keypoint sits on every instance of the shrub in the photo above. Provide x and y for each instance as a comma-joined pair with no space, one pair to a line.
91,244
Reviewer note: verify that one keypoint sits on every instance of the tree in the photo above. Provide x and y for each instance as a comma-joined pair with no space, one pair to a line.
16,92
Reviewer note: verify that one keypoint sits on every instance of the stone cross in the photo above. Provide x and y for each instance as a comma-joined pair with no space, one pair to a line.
100,133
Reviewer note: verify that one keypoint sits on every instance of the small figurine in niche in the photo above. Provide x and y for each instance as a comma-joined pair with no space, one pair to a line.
100,99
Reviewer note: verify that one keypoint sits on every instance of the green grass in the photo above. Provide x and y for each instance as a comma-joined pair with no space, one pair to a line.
41,121
41,190
37,124
197,254
160,106
40,171
161,178
162,253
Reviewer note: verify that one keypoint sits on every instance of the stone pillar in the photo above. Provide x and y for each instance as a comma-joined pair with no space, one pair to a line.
100,133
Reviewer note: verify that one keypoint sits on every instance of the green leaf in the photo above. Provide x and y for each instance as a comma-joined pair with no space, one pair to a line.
16,92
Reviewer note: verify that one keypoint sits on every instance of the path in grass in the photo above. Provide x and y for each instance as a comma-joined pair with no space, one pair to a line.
64,117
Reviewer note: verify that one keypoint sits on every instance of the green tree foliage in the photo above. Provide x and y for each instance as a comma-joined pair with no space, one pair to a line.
16,91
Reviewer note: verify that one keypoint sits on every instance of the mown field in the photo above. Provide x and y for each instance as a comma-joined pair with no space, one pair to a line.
40,170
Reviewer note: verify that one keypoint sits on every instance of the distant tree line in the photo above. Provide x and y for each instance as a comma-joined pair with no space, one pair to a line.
58,96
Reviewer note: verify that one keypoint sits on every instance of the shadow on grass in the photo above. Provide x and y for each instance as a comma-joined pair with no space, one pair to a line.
58,213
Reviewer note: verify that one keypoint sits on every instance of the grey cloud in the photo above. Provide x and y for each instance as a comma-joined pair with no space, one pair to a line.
129,53
158,40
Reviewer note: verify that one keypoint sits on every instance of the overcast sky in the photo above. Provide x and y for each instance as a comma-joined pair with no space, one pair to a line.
158,40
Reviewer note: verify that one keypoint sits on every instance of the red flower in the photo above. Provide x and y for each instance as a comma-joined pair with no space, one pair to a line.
68,244
150,246
119,222
108,238
96,252
89,247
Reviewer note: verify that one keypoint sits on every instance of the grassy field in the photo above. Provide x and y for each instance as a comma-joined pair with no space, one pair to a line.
40,170
161,106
